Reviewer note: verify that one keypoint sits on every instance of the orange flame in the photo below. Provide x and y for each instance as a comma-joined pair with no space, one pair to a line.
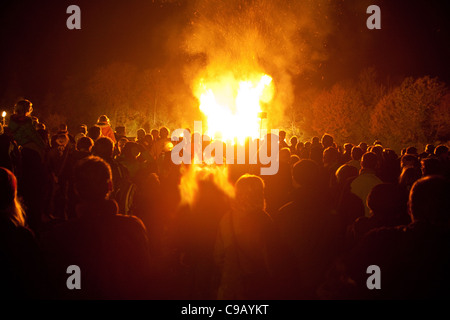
232,106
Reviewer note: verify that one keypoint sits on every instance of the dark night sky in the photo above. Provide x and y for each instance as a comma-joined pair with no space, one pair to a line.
38,52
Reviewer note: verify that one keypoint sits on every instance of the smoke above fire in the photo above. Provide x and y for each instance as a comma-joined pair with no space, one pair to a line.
241,39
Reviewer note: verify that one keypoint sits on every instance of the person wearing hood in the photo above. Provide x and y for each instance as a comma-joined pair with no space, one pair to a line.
105,126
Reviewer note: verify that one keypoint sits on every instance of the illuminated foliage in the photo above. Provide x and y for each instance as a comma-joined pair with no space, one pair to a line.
405,115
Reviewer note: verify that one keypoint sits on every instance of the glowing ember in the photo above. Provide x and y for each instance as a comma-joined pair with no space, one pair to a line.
232,107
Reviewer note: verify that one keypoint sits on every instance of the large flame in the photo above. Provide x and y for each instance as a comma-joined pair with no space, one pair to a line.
232,107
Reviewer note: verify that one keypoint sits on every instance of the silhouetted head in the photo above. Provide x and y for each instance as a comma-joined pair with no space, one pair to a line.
155,134
429,148
357,153
378,150
386,200
131,150
82,128
348,147
93,179
63,127
285,155
345,172
411,150
330,156
431,166
363,146
140,134
408,176
103,120
103,148
164,132
315,140
282,135
10,208
62,139
389,155
249,193
294,141
377,142
441,152
294,159
369,161
23,108
428,200
94,133
85,144
327,141
121,143
306,173
409,160
148,139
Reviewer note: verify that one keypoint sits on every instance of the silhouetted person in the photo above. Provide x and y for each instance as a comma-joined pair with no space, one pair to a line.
388,205
104,148
110,249
327,141
94,133
367,179
429,151
81,132
412,150
389,171
347,155
279,186
129,158
105,126
331,162
431,166
409,160
356,154
20,260
197,233
363,146
441,153
9,151
293,146
414,260
349,206
247,249
316,151
83,150
32,175
282,141
408,176
58,162
308,228
120,133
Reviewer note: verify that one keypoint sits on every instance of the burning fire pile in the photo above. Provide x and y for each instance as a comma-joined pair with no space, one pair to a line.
233,107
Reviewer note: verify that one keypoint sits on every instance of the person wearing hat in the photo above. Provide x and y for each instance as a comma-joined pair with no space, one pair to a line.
105,126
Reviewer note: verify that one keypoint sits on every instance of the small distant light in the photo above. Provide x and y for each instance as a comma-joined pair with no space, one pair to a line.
4,114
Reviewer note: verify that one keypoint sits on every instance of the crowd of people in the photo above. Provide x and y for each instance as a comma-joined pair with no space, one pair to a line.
116,207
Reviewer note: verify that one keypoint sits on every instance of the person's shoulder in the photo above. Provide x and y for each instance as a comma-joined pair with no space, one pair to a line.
386,235
286,210
131,222
286,207
18,232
